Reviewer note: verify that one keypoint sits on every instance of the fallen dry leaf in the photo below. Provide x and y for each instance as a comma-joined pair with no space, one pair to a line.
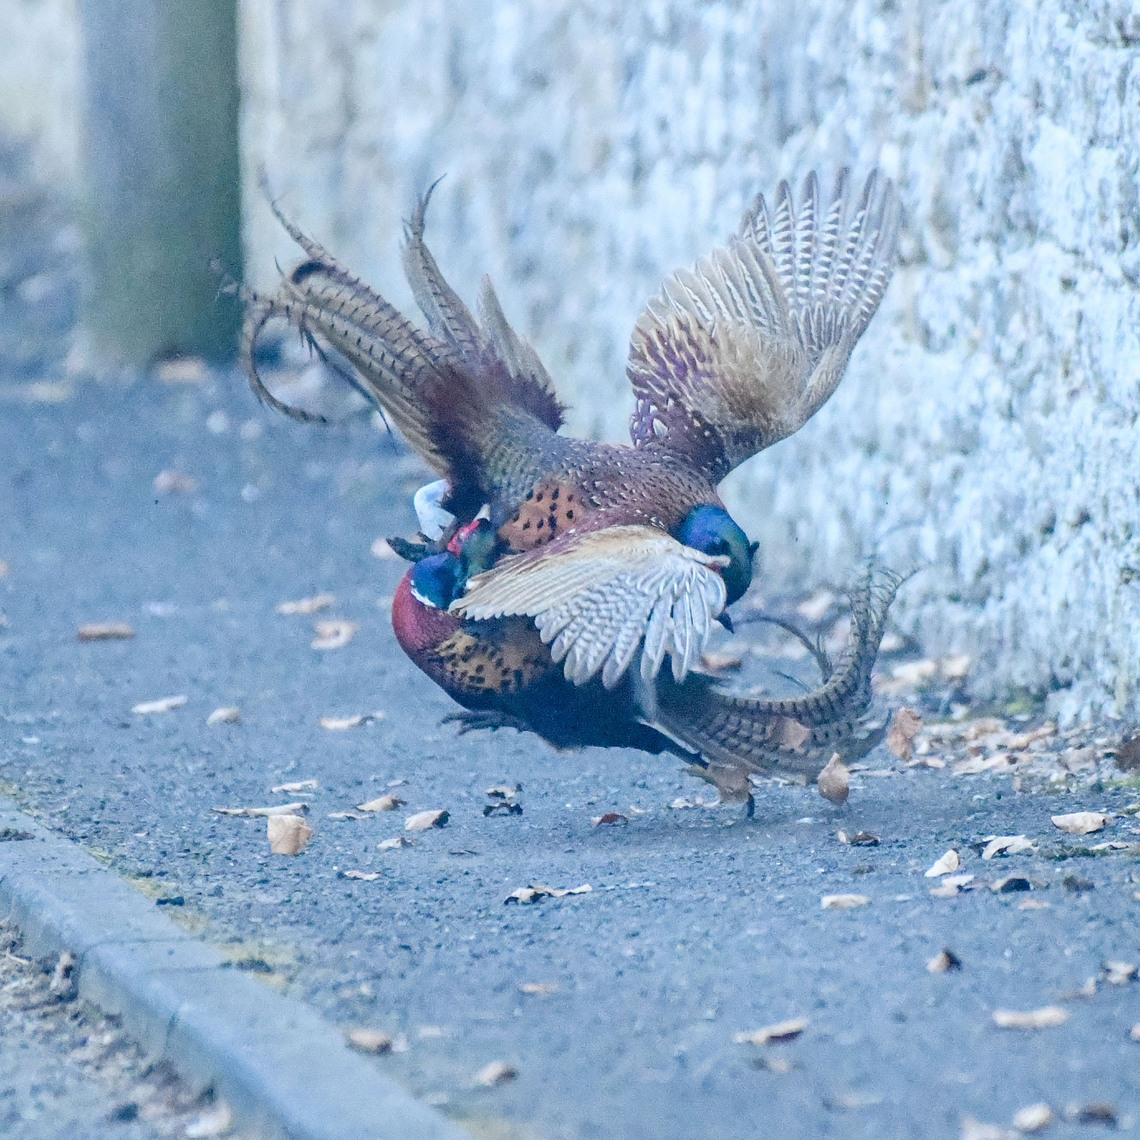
834,782
843,902
1119,973
369,1040
171,482
306,606
363,876
719,662
393,844
165,704
274,809
381,549
535,892
216,1120
104,631
610,818
288,834
905,726
944,962
295,786
333,634
1043,1018
1081,822
1006,845
496,1073
422,820
1033,1118
540,989
773,1034
387,802
946,865
229,714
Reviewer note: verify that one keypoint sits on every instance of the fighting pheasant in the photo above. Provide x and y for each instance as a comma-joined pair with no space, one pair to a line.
604,560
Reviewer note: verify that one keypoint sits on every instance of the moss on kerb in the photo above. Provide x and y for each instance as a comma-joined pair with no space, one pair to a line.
161,174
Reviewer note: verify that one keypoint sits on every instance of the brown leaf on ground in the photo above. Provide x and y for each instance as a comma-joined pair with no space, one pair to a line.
163,705
288,834
1119,973
369,1040
303,607
1081,822
905,726
1006,845
1043,1018
834,782
295,786
539,989
496,1073
387,802
944,962
843,902
864,839
773,1034
104,631
945,865
273,809
393,844
171,482
333,634
720,662
422,820
1033,1118
535,892
610,818
229,714
789,733
363,876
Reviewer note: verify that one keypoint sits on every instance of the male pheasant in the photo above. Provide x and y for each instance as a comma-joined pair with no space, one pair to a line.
595,557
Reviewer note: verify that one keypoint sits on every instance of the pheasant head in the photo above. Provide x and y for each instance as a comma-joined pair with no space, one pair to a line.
712,530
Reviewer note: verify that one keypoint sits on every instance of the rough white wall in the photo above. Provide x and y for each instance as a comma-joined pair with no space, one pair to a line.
39,81
987,426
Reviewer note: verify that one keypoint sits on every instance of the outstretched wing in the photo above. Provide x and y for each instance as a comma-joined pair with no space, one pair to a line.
744,348
596,597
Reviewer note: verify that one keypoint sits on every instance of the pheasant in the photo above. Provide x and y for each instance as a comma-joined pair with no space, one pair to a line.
598,558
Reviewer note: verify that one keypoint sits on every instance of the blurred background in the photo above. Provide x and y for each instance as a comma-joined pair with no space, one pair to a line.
987,427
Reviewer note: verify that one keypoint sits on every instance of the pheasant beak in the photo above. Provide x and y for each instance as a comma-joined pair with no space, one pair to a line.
726,621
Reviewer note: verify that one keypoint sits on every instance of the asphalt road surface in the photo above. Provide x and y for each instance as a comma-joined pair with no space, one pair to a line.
616,1009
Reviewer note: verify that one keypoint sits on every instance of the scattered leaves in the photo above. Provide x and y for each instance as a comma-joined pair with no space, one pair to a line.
539,989
386,802
834,782
164,705
905,726
104,631
369,1040
843,902
1033,1118
393,844
610,818
496,1073
288,834
1006,845
946,865
303,607
1081,822
363,876
273,809
944,962
535,892
333,634
422,820
294,787
1043,1018
773,1034
229,714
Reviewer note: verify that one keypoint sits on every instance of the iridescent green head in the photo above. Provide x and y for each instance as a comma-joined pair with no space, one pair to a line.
712,531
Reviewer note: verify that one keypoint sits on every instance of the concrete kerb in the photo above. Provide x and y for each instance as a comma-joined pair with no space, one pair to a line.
285,1072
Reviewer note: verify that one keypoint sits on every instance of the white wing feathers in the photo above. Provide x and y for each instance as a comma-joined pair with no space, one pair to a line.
596,597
